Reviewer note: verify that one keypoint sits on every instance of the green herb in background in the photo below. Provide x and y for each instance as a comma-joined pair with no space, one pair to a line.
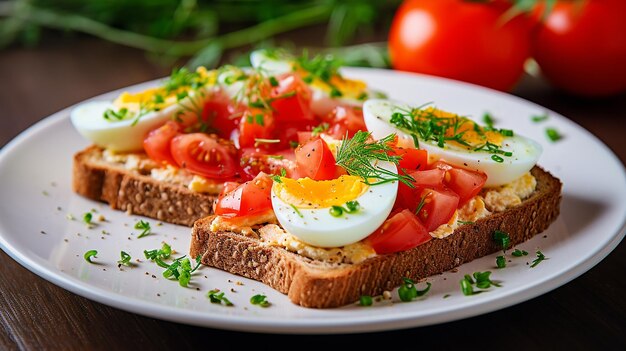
203,29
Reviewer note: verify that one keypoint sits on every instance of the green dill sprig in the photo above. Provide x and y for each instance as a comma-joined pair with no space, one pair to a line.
424,124
357,155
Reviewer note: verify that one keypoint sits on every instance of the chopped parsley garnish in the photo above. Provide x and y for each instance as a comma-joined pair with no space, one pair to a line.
144,226
500,262
357,154
183,78
351,207
553,134
502,239
158,254
276,177
181,270
215,296
519,253
365,300
121,114
273,81
87,217
125,259
407,291
260,300
89,254
481,280
539,118
540,257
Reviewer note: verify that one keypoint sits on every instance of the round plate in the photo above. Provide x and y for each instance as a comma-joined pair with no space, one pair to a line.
37,229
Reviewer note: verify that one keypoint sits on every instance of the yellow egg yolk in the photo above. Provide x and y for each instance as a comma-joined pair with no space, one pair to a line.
155,99
469,132
309,193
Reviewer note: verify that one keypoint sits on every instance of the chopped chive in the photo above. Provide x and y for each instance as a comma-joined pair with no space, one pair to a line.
296,210
217,297
519,253
336,211
89,254
260,300
497,158
553,134
502,239
87,217
125,259
539,259
144,226
500,262
539,118
365,300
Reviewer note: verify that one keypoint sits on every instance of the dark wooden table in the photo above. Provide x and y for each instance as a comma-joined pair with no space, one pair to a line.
588,313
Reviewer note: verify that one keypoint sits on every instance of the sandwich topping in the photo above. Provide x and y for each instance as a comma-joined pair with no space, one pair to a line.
306,159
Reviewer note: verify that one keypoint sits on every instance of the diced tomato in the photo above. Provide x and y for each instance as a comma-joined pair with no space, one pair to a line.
412,159
315,160
288,132
157,142
432,178
401,232
438,207
204,155
255,124
250,198
345,120
254,161
304,137
465,183
221,114
291,99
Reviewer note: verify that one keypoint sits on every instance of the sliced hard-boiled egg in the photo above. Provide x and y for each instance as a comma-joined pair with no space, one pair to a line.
304,208
329,88
122,135
502,155
122,124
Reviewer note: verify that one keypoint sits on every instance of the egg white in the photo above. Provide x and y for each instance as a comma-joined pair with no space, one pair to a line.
317,227
526,152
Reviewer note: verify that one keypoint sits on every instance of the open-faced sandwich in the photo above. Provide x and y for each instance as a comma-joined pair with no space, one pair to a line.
289,179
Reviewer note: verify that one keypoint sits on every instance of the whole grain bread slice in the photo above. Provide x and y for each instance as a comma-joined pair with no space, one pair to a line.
316,284
135,191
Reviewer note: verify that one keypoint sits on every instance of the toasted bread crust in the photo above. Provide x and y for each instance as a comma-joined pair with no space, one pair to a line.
316,284
130,191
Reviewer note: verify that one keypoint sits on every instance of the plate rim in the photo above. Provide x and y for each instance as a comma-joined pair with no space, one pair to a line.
303,324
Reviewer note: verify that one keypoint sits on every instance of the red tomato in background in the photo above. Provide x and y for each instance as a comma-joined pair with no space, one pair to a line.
400,232
157,143
582,49
461,40
250,198
203,155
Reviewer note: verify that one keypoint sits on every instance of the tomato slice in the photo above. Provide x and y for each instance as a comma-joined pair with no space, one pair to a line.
203,155
255,124
315,160
250,198
438,207
291,99
157,142
401,232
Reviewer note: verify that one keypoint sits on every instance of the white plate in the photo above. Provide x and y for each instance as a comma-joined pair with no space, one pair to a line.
35,183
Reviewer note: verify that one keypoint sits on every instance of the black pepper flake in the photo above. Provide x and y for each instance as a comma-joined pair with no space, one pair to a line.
154,276
159,295
43,232
66,240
